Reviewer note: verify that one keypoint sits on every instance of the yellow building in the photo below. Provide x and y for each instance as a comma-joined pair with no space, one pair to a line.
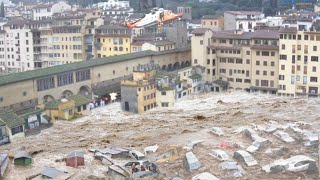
139,95
68,108
215,23
299,62
111,40
244,60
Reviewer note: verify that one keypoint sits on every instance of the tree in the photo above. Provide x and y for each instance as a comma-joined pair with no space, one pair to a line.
2,12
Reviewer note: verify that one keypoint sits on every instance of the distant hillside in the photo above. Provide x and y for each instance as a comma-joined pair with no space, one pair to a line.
270,7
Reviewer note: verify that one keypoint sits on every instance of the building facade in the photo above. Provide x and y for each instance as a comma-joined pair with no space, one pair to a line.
214,23
111,40
244,60
242,20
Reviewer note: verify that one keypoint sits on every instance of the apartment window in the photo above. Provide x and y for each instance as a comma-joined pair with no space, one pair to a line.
45,83
315,48
27,42
82,75
213,72
283,57
257,72
294,37
231,79
272,63
293,79
305,59
230,72
306,37
298,78
257,63
27,34
195,61
258,53
281,36
265,83
299,47
265,73
223,60
305,79
283,46
293,59
208,71
201,42
248,61
265,63
213,62
271,73
293,68
238,80
283,67
257,82
16,130
293,48
248,52
223,41
271,83
163,93
65,79
306,49
298,68
314,69
273,53
299,57
312,37
239,61
281,77
208,61
284,87
318,38
305,70
24,93
313,79
314,58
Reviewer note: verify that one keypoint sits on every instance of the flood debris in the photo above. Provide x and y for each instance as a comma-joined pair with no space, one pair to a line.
283,136
171,154
117,172
217,131
257,144
219,155
150,149
271,128
191,162
136,154
205,176
246,157
53,173
113,151
22,158
75,159
235,169
312,139
193,144
229,144
105,159
295,164
4,161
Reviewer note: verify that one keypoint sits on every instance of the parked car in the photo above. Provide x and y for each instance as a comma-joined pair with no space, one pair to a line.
246,157
284,136
219,154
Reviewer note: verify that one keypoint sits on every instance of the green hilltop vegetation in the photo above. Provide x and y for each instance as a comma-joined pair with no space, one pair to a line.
217,7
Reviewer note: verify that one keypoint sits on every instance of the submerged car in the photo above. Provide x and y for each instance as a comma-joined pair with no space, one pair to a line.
220,155
217,131
295,164
205,176
284,136
246,157
257,144
191,162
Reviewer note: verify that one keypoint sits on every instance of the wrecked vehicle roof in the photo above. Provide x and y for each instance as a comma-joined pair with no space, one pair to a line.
217,130
205,176
192,144
192,161
150,149
52,173
284,136
248,159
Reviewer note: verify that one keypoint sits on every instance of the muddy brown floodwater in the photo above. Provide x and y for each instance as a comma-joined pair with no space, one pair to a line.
190,119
